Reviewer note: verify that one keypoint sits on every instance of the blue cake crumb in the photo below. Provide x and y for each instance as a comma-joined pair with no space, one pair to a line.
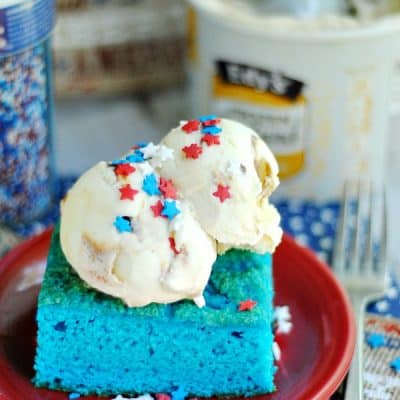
91,343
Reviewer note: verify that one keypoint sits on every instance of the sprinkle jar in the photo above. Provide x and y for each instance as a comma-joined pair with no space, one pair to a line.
26,110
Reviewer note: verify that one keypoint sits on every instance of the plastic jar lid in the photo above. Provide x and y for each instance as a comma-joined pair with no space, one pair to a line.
24,23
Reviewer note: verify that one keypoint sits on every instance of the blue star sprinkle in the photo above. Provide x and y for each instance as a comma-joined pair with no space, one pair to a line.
211,130
179,393
136,157
73,396
205,118
123,224
170,210
118,162
150,185
395,364
142,144
376,340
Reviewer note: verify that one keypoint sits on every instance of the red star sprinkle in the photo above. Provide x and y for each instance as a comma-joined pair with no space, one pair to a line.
210,139
157,208
222,193
168,189
124,169
192,151
162,396
127,192
191,126
247,305
211,122
172,244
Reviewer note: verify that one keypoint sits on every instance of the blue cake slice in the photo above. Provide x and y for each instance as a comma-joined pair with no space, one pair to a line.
91,343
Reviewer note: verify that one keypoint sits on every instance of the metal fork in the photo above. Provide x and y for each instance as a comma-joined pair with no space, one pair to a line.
359,260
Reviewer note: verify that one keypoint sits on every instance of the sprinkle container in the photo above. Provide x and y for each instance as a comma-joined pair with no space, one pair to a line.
26,110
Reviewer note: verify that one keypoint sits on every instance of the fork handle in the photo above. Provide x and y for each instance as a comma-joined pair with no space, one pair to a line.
354,389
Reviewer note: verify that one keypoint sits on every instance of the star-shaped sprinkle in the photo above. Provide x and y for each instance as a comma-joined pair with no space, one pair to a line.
123,224
124,169
162,396
395,365
127,192
73,396
191,126
376,340
150,185
164,153
150,150
193,151
206,118
247,305
170,209
210,139
172,244
211,122
157,208
136,157
117,162
211,130
179,393
145,168
222,193
167,188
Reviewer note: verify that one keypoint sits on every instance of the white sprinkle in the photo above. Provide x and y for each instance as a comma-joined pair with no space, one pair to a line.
382,306
276,351
32,276
145,168
392,293
200,301
284,327
150,150
283,319
164,153
282,313
142,397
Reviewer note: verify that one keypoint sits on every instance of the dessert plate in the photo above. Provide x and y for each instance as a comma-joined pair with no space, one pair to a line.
315,354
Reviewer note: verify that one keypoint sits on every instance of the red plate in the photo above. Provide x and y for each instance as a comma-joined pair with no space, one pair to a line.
315,355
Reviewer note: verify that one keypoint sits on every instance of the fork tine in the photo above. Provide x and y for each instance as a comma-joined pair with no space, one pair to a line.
356,242
339,251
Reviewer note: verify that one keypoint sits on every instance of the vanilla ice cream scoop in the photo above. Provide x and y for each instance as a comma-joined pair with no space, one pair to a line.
126,232
226,173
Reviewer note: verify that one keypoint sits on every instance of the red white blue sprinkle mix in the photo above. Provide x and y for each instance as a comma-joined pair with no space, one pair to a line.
208,126
124,169
395,365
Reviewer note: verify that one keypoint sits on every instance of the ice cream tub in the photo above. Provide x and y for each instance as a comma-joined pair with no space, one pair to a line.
316,89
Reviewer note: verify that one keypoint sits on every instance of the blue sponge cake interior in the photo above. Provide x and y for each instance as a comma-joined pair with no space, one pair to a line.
89,342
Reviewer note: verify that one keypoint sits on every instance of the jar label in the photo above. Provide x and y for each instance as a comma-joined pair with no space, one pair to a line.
269,102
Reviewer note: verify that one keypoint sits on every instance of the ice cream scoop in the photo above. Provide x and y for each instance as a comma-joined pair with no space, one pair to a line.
226,173
128,233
